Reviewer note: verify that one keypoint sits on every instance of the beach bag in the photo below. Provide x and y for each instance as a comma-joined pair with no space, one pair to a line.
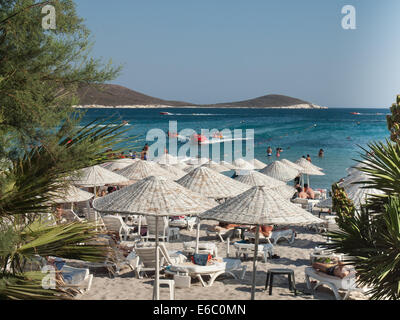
201,259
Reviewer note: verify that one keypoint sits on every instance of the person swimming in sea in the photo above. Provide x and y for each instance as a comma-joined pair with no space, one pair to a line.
321,153
269,152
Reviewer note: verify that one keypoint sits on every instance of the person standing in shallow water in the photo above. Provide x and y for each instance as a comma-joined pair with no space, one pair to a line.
308,158
269,152
278,153
321,153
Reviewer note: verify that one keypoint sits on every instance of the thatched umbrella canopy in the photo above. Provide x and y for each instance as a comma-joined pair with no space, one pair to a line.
155,196
97,176
197,161
143,169
227,165
174,170
72,194
211,184
118,164
280,171
309,169
180,165
254,178
259,206
257,164
215,166
167,158
292,164
241,164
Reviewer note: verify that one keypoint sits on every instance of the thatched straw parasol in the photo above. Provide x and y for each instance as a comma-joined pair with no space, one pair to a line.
309,169
72,194
167,158
292,164
181,165
258,165
241,164
174,170
215,166
212,184
259,206
118,164
227,165
280,171
197,161
97,176
143,169
254,178
155,196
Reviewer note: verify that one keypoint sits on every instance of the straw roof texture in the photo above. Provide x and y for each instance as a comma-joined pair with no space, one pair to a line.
309,168
180,165
174,170
166,158
260,206
97,176
197,161
118,164
72,194
154,196
212,184
258,165
241,164
254,179
227,164
215,166
292,164
280,171
143,169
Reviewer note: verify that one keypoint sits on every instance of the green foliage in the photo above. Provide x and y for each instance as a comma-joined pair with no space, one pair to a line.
393,121
371,237
373,244
41,70
41,143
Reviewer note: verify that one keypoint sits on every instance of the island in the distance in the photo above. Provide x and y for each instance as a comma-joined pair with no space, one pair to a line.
115,96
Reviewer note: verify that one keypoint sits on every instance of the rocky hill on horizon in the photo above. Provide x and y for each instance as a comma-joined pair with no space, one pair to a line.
116,96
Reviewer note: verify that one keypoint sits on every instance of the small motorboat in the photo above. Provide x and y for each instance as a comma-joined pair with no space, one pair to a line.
199,138
355,113
166,113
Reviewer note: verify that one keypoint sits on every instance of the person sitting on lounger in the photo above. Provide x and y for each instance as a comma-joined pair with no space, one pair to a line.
310,192
301,194
333,269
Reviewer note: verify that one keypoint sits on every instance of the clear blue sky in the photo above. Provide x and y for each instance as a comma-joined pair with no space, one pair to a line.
209,51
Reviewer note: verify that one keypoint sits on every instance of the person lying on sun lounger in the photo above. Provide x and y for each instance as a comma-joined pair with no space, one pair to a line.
225,226
264,230
337,269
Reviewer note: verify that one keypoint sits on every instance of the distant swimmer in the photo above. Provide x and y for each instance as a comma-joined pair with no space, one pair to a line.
321,153
269,152
278,152
308,158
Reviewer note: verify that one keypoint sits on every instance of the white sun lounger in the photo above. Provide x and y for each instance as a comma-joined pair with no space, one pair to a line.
289,235
347,284
213,271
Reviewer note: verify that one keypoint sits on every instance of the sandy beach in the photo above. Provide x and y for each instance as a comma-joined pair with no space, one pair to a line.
296,256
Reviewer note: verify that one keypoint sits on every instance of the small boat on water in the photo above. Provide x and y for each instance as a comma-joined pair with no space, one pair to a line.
166,113
199,138
355,113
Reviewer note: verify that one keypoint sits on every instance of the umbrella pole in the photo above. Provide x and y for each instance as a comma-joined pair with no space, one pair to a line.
197,235
308,180
156,288
253,286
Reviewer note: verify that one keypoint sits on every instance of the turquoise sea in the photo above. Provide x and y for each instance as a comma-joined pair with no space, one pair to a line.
297,132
